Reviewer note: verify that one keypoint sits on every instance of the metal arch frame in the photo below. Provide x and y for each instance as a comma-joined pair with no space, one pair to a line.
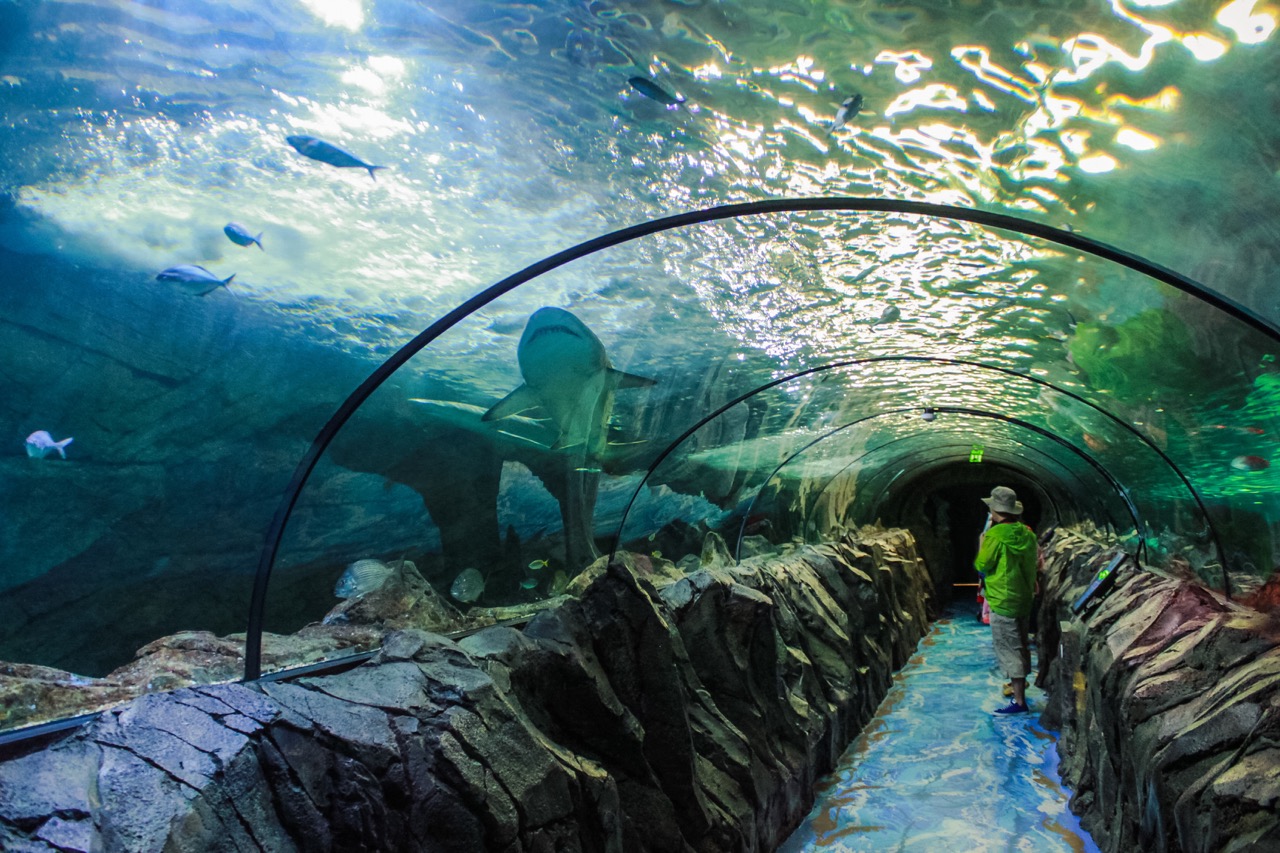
670,448
289,498
1101,510
835,476
751,506
1139,523
1052,501
996,463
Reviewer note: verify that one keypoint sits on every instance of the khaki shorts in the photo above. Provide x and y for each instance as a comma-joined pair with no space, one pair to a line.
1009,637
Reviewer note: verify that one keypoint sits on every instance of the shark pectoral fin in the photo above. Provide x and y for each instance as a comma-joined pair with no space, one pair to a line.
630,380
520,400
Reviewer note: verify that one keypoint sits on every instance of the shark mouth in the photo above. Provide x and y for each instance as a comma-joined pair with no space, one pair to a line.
550,330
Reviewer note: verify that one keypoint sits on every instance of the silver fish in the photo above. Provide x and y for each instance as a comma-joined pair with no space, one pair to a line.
361,577
849,108
327,152
240,235
194,279
40,443
652,90
467,586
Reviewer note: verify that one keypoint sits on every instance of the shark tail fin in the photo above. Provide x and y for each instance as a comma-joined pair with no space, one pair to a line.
258,240
61,445
371,170
631,380
520,400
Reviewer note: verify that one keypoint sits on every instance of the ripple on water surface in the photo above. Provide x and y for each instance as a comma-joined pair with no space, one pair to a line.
934,770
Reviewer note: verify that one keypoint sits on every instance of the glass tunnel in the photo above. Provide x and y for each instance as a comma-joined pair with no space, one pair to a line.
650,441
555,317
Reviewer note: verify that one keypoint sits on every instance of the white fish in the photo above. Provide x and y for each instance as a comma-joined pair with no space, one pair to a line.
193,279
39,443
849,108
467,586
241,236
362,576
567,374
892,314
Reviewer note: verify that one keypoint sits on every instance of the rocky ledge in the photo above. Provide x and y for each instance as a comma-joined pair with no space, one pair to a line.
1168,700
695,715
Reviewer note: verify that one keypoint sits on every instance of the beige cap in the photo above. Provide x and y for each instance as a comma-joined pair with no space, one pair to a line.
1004,500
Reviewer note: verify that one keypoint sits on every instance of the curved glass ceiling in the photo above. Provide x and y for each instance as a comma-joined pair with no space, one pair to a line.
1104,377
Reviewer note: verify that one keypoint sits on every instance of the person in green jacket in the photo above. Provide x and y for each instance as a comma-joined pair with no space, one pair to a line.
1007,560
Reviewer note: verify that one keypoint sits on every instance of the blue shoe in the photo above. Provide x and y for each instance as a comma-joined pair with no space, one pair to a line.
1010,709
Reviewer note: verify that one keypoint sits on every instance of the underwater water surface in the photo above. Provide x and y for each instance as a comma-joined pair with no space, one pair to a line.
935,770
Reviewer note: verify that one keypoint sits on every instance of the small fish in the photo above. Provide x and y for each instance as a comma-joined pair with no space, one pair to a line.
1251,430
538,564
467,586
39,443
657,554
928,416
653,91
240,235
1094,443
892,314
194,279
360,577
327,152
528,583
1250,463
849,108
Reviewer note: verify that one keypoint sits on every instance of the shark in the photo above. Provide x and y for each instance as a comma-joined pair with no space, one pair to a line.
568,376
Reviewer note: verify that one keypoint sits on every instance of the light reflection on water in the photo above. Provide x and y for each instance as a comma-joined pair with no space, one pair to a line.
935,771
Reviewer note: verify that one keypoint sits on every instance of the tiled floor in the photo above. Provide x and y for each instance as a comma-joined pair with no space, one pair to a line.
935,771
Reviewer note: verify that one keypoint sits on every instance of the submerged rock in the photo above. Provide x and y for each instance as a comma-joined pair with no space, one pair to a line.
697,717
1168,698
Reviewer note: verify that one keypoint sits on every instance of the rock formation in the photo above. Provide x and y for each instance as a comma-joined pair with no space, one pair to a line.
692,716
1168,699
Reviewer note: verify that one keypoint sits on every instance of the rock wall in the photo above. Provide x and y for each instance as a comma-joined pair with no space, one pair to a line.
697,716
1168,700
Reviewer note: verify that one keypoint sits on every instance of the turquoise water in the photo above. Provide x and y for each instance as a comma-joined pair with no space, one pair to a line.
935,771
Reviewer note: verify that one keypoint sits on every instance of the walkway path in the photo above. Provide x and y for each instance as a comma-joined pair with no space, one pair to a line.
935,771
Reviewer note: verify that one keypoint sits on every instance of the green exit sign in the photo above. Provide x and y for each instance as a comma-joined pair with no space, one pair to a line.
975,453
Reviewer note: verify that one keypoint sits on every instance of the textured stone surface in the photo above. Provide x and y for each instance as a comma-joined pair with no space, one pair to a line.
33,694
632,718
1168,700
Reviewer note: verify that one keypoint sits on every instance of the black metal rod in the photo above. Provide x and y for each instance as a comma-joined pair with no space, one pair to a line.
1092,510
936,451
275,531
1133,511
914,453
670,448
742,526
